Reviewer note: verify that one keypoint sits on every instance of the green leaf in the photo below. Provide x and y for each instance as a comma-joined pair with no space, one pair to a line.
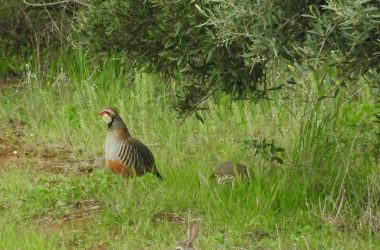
199,118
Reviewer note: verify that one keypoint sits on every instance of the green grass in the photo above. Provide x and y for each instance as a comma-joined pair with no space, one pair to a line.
325,195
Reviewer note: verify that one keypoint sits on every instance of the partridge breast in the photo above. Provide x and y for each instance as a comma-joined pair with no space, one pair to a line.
127,155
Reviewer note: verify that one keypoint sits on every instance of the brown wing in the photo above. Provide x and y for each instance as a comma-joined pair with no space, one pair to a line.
225,168
135,154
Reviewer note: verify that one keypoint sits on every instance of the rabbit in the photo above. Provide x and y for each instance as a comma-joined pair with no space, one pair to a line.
192,233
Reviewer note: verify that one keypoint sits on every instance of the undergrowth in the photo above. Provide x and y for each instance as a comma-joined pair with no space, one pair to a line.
322,194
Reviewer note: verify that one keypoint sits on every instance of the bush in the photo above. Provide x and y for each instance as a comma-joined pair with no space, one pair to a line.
346,34
34,25
343,32
27,29
170,38
208,45
227,45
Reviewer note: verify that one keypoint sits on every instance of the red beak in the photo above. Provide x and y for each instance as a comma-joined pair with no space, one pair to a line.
100,113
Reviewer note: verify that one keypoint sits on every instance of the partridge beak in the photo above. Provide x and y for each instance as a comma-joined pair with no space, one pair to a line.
100,113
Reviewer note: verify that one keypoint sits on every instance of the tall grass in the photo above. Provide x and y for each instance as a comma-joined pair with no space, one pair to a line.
323,196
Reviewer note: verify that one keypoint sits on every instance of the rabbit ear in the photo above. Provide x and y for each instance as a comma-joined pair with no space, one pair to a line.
193,230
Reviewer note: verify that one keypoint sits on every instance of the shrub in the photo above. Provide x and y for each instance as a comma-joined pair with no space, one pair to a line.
170,38
32,28
227,45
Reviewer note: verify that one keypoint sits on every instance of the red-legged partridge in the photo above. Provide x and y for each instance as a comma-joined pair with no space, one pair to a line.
227,171
124,154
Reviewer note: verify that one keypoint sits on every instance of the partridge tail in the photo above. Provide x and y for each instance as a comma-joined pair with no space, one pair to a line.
156,173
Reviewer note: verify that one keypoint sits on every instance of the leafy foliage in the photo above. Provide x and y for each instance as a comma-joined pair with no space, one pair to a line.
171,38
208,45
269,150
227,45
347,35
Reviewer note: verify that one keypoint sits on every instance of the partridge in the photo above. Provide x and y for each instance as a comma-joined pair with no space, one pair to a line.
227,171
124,154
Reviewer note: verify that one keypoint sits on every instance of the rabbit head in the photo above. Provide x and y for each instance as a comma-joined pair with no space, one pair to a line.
192,233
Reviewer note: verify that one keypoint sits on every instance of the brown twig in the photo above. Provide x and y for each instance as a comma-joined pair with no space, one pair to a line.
194,107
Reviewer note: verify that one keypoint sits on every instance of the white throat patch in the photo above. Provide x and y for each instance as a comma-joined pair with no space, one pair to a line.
107,118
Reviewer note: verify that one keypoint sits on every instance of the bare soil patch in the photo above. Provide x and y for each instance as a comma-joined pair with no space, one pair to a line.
7,157
81,212
66,166
10,141
51,159
78,217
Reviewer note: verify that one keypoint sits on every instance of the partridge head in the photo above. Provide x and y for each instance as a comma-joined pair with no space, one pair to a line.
125,154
